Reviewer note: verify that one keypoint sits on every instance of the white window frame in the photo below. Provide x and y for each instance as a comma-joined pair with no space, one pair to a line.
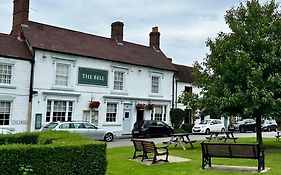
117,73
51,110
68,75
12,73
152,84
108,112
4,112
163,114
125,71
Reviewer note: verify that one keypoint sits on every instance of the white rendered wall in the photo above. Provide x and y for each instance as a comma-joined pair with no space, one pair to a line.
137,87
17,92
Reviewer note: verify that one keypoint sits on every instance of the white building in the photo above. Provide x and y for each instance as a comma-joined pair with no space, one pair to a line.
184,82
15,71
71,69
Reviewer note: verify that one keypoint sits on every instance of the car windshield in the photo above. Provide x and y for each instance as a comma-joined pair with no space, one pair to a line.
138,124
204,122
51,126
239,122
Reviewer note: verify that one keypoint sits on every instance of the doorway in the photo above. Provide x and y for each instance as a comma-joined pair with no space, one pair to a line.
140,115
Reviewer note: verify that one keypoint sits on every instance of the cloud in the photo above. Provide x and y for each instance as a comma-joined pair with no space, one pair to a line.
184,25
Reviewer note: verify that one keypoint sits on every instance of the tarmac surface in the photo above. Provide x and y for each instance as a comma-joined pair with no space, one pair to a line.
125,140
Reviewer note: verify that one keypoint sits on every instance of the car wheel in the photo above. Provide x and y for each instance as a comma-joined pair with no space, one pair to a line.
242,130
207,131
108,137
147,134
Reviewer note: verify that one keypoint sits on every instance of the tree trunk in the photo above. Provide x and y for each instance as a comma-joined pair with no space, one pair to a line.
258,130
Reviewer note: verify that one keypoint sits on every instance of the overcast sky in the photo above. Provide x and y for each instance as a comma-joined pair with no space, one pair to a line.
184,25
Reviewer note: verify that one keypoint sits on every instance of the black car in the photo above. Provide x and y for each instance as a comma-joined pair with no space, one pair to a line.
269,125
151,128
248,125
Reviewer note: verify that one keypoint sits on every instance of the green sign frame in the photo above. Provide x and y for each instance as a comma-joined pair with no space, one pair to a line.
92,76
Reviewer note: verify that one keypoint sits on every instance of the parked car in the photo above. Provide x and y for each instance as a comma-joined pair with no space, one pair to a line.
207,126
234,126
149,128
83,128
247,125
269,125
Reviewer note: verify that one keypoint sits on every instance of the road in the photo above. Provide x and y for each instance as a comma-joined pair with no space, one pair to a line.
126,140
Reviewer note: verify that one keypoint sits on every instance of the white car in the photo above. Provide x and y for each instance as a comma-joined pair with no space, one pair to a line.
83,128
207,126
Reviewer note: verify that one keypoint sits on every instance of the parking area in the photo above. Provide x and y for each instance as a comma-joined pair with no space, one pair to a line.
126,140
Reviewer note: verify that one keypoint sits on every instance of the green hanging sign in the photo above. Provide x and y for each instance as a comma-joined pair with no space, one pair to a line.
92,76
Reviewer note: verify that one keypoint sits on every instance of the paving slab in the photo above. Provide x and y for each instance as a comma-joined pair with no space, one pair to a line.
171,159
237,168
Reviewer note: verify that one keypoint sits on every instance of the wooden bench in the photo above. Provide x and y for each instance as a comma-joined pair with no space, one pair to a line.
148,147
232,150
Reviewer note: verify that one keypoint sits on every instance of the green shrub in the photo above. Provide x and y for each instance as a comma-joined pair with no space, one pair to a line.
187,127
177,115
52,153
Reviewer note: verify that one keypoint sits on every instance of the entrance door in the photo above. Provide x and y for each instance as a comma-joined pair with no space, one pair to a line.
127,121
127,118
140,115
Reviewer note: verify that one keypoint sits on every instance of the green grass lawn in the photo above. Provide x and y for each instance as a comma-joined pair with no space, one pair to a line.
119,163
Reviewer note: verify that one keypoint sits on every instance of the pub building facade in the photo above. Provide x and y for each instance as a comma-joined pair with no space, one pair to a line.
76,76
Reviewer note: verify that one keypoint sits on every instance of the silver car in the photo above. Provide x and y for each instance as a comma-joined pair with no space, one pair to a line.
83,128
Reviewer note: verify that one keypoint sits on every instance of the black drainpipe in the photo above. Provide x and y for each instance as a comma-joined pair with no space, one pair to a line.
173,92
176,101
31,92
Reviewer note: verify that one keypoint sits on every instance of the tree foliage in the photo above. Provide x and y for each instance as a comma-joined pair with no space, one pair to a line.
242,73
191,101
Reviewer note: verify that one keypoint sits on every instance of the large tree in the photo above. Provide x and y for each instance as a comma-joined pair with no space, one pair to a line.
242,73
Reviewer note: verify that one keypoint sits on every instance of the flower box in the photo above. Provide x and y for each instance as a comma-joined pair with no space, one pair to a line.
150,106
140,106
94,104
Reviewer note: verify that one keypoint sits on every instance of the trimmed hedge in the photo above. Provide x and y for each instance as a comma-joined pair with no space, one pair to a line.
51,153
187,127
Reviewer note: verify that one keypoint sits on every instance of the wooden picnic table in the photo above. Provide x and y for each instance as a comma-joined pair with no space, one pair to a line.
221,135
180,139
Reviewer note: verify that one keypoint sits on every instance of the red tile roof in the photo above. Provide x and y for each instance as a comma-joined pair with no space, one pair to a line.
184,73
46,37
10,46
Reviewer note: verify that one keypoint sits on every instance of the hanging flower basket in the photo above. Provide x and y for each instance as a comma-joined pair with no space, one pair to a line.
150,106
94,104
140,106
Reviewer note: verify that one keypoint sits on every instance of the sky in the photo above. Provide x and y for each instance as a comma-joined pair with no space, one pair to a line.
184,25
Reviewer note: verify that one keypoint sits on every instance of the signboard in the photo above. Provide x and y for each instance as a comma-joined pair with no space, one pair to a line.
92,76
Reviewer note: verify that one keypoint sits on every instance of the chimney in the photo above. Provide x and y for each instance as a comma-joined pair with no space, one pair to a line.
117,31
20,16
154,40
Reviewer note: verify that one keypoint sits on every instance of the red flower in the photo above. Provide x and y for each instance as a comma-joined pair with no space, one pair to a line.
149,106
94,104
140,106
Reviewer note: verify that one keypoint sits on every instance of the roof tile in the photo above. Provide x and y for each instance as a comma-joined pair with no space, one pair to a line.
10,46
46,37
